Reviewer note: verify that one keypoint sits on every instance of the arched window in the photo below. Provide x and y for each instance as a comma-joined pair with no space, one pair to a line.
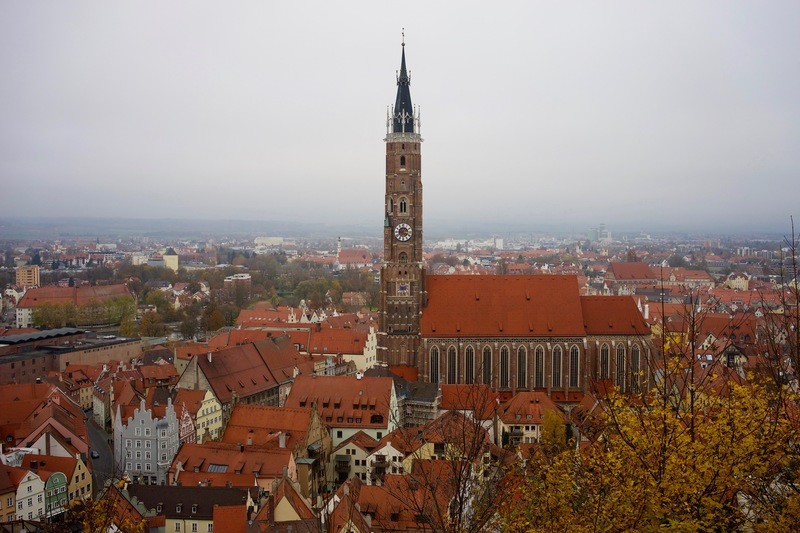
539,370
391,205
504,367
402,160
452,365
403,257
522,368
574,368
469,374
620,375
557,366
604,362
403,205
635,377
487,366
435,364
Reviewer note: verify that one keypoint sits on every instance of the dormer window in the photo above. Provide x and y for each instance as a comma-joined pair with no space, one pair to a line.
178,508
194,508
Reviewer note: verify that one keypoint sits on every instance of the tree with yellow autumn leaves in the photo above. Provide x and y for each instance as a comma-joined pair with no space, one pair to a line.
711,446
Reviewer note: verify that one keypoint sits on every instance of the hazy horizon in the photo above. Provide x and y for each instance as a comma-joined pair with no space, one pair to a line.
665,117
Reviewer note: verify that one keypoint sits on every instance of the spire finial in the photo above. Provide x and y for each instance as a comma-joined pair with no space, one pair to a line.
403,32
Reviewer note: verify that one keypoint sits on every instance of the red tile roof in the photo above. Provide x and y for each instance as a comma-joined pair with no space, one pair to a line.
502,306
612,315
250,368
231,519
529,407
624,271
341,400
262,424
77,295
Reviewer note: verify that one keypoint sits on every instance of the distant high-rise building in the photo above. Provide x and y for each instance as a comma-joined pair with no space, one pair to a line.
28,276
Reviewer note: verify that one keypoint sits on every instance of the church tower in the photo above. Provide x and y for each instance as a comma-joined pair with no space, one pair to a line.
402,274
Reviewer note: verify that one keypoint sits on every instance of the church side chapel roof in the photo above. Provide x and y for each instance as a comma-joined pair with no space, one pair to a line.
613,315
502,306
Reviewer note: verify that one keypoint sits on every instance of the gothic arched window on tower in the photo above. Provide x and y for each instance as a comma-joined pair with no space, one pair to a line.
539,370
487,366
402,160
452,365
403,205
522,368
391,205
557,366
403,257
469,373
504,367
574,360
435,364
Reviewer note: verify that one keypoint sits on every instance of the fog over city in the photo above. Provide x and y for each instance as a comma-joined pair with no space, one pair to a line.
653,116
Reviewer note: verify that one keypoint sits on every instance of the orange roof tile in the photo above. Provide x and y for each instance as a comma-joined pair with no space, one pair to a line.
344,401
612,315
502,306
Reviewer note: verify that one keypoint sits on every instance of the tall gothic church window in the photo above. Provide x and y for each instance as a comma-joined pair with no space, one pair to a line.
435,364
620,375
604,362
574,369
557,366
469,374
452,365
522,368
504,367
487,366
539,370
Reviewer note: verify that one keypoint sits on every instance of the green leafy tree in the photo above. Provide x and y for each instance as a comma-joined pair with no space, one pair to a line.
152,325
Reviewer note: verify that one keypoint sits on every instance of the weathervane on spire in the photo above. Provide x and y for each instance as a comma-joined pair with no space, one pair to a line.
403,32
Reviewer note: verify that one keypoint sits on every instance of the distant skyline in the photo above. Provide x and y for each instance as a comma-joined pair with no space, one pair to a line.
678,116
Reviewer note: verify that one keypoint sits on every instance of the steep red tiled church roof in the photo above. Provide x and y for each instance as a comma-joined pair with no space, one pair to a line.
502,306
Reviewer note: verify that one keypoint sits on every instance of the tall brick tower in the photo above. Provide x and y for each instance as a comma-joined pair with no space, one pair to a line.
402,273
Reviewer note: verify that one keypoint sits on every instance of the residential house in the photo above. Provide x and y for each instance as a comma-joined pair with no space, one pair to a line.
29,494
8,495
523,416
191,509
350,457
145,441
349,404
302,431
204,410
259,373
219,464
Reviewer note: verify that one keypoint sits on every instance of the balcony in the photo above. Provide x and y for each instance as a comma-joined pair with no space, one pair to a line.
342,463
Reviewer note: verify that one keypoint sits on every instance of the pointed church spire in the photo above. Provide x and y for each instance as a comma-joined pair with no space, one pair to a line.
403,113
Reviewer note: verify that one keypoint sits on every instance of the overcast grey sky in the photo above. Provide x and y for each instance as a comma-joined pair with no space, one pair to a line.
638,114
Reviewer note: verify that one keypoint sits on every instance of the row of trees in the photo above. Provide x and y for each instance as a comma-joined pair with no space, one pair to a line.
113,311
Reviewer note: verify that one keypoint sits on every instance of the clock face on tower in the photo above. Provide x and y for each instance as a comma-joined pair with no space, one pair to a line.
402,232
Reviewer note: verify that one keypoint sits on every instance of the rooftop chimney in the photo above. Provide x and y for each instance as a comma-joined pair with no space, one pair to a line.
208,357
282,439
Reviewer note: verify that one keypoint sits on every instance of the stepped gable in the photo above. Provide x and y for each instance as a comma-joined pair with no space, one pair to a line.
502,306
613,315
